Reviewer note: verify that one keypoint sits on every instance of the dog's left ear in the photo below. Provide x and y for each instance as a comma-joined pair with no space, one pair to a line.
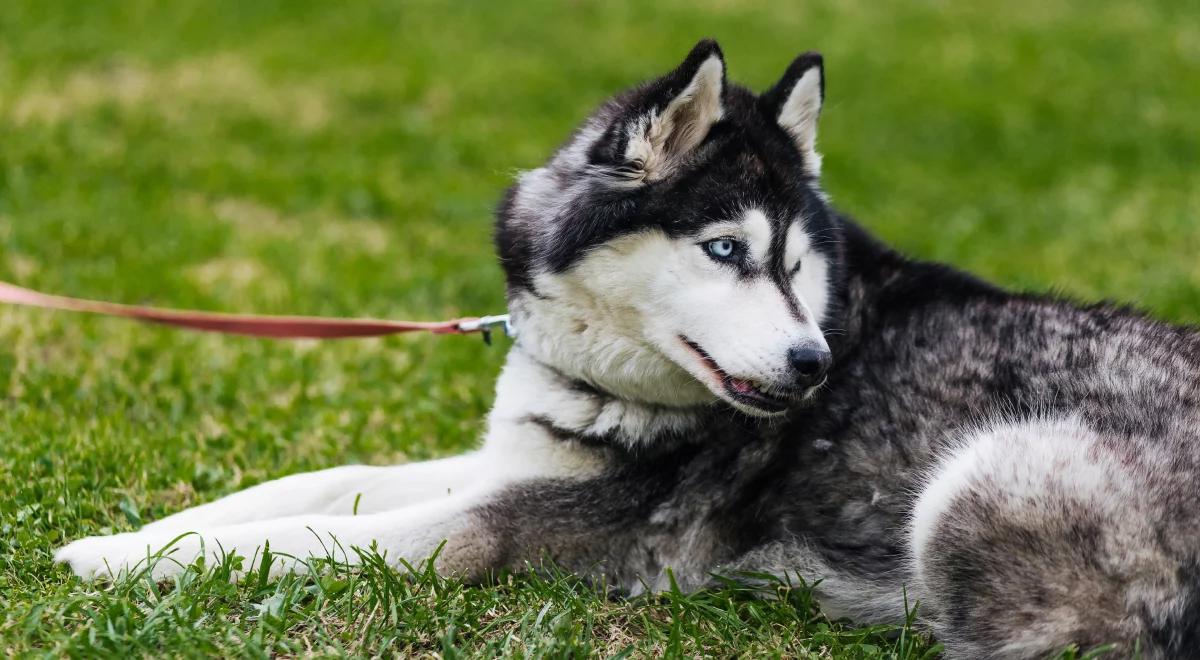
668,118
795,103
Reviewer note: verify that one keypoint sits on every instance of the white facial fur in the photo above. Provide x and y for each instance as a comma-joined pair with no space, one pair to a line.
615,318
811,281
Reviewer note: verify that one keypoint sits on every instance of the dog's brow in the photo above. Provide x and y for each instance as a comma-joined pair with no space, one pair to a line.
796,244
758,234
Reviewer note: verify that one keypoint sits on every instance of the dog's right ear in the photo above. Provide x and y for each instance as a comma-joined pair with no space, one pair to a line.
659,123
795,103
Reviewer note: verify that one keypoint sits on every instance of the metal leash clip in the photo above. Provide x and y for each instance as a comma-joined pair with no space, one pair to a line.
484,325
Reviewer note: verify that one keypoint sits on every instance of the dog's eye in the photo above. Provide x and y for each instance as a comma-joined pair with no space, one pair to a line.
721,249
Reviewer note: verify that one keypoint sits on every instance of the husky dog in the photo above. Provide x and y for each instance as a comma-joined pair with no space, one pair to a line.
717,373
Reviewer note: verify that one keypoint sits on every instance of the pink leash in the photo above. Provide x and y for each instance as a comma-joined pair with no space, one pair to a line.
253,325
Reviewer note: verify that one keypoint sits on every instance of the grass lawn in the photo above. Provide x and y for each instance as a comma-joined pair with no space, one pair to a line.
344,158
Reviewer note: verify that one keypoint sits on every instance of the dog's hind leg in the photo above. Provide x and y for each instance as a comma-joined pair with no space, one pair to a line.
1033,536
342,490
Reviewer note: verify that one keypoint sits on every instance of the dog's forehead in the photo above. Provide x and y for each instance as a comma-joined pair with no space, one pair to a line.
724,188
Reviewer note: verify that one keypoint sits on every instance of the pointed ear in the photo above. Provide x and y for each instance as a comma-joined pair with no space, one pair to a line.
666,119
795,103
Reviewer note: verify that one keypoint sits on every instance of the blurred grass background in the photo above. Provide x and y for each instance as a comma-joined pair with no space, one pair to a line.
344,158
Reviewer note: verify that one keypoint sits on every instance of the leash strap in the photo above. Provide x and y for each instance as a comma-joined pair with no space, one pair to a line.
254,325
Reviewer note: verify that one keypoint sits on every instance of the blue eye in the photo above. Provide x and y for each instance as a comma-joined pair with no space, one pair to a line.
721,249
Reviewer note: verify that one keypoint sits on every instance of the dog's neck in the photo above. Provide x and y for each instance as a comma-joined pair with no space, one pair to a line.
530,391
603,348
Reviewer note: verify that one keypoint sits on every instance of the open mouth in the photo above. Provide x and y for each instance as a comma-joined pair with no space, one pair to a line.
739,389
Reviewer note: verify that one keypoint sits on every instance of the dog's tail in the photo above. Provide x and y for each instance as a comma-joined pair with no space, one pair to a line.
878,598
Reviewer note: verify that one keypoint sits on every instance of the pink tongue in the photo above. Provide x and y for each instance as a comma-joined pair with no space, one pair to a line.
741,386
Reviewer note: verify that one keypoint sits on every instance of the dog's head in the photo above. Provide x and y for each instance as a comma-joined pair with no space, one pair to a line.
677,248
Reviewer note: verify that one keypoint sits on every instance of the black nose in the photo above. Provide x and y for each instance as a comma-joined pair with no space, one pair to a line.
811,364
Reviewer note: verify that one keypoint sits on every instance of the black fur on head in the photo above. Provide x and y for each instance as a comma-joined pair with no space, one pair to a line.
702,150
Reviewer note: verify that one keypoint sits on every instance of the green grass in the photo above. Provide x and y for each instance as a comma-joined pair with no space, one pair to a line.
343,158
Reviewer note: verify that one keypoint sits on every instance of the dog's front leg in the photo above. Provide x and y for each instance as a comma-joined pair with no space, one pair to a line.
411,534
408,509
340,491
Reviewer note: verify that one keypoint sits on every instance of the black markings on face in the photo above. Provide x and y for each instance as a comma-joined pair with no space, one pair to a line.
780,272
763,252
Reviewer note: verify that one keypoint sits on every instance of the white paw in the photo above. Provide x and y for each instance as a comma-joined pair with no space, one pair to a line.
96,557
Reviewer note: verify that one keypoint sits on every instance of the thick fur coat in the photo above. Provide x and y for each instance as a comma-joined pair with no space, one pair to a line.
716,372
